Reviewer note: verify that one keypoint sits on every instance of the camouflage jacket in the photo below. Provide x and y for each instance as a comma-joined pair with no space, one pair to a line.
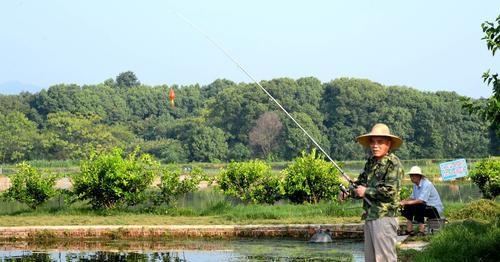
382,179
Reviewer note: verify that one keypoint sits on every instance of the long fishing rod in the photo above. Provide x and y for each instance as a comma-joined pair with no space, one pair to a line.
226,53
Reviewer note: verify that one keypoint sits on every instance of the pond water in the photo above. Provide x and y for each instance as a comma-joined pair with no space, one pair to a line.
186,250
458,192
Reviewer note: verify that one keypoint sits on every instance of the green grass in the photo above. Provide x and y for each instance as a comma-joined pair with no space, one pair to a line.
203,207
461,241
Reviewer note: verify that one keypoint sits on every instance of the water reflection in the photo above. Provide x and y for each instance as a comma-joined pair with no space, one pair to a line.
94,256
186,250
457,192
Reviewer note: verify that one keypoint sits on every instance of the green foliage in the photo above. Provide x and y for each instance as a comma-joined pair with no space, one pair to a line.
486,174
127,79
238,152
73,136
310,179
18,137
108,179
464,241
490,110
352,106
483,209
30,187
250,181
213,123
175,183
207,144
167,150
405,192
295,141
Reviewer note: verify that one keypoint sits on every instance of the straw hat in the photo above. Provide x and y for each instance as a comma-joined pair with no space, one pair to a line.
415,170
380,130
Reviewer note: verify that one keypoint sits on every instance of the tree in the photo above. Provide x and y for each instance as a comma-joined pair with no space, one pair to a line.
72,136
18,136
238,152
486,174
294,140
235,109
30,187
265,131
490,111
216,87
251,182
175,183
310,179
109,179
167,150
207,144
127,79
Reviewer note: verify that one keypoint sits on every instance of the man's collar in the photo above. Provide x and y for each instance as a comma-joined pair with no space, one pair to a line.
420,182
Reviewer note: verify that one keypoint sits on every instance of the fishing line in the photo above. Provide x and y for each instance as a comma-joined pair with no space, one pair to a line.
226,53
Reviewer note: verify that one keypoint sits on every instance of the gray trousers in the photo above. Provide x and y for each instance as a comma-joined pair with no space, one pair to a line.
380,239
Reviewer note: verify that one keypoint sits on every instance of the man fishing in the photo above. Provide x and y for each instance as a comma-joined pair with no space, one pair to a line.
379,182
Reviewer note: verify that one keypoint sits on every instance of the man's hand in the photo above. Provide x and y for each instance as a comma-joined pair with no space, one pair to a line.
411,202
360,191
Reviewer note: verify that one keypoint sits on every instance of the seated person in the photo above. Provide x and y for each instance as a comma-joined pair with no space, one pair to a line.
423,202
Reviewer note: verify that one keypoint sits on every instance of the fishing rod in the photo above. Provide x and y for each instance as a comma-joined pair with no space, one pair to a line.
226,53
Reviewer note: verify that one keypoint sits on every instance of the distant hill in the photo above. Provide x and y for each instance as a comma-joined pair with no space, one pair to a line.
16,87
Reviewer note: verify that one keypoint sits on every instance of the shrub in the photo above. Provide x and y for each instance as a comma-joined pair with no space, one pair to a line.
108,179
486,174
310,179
483,209
30,187
405,192
251,181
174,184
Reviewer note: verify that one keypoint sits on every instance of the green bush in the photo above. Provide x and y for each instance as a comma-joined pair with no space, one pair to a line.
108,179
486,174
483,209
405,192
464,241
174,183
251,181
30,187
310,179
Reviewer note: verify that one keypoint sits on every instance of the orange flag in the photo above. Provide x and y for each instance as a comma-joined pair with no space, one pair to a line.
171,95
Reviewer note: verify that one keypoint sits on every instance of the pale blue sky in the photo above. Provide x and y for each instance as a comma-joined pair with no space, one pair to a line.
428,45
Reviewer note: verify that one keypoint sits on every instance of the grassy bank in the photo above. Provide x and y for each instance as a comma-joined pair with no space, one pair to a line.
220,212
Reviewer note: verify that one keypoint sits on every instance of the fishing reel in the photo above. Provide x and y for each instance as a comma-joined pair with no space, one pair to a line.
347,191
343,189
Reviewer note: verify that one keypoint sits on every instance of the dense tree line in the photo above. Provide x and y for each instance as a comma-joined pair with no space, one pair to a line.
226,121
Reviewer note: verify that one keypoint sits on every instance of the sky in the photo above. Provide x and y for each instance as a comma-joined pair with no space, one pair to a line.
427,45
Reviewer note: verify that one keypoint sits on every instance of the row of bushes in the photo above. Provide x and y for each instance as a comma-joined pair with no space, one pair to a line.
110,179
107,180
308,179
